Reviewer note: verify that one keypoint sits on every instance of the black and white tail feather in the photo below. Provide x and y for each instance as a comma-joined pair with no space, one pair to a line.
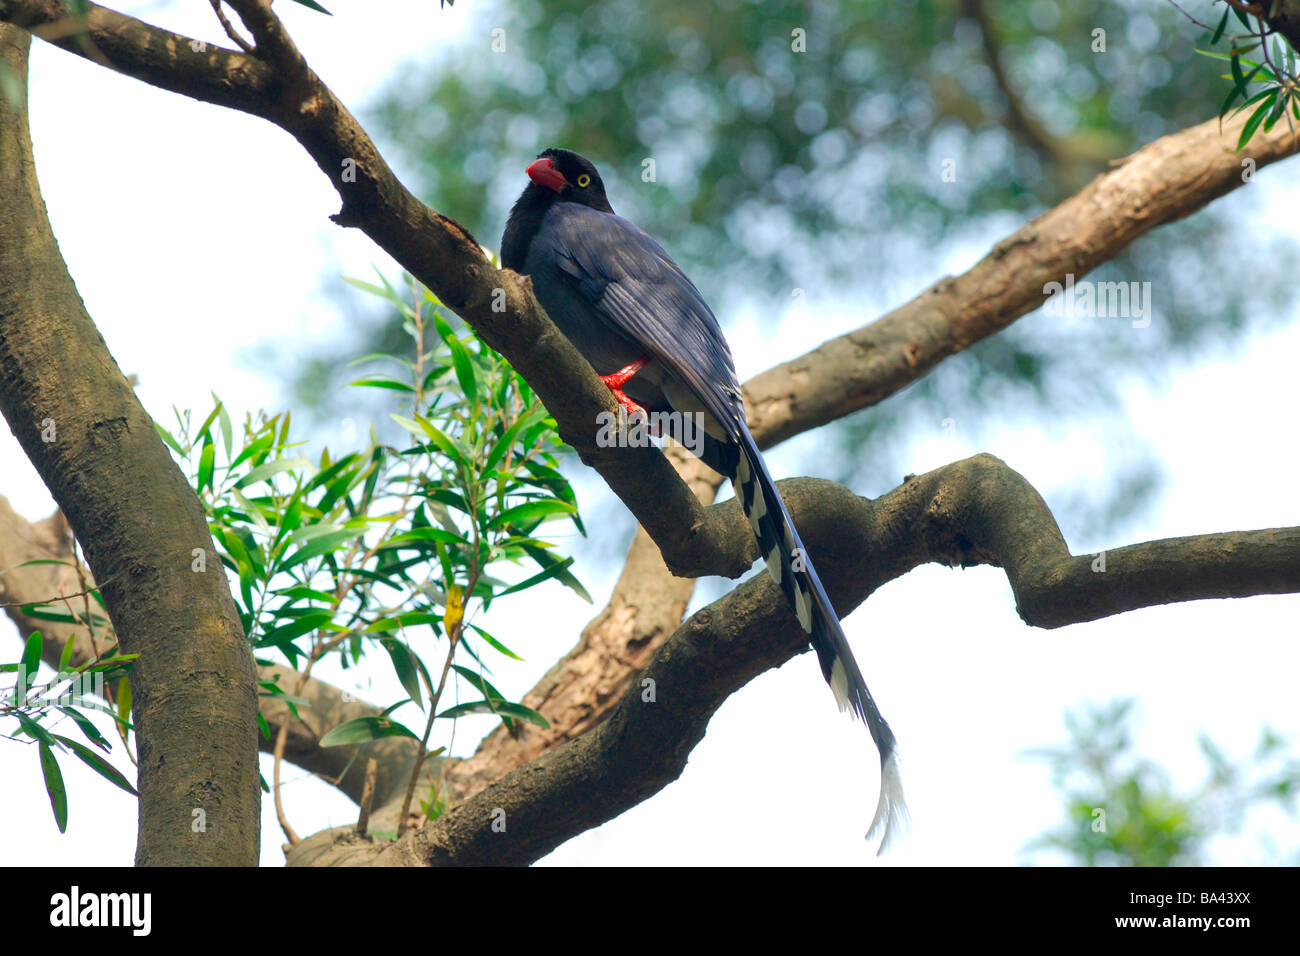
788,564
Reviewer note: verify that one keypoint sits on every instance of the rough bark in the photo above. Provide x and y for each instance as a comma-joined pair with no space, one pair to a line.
140,524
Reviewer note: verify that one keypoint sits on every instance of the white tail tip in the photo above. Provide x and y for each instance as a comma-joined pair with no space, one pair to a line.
891,810
840,685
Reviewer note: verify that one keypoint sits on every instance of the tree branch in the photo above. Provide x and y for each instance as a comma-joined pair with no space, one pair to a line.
140,524
976,511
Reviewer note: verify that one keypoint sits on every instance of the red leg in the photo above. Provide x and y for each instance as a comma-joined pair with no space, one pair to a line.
617,380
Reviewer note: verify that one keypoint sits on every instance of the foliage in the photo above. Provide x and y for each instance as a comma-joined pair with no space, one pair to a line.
40,707
388,547
1121,809
400,549
1277,74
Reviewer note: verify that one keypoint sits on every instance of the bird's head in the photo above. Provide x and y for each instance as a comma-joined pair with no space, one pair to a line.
571,177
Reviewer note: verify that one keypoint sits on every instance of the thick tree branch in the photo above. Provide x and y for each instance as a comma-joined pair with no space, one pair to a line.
976,511
140,524
1160,183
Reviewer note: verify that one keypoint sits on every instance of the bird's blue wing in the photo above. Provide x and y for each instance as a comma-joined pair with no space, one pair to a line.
635,288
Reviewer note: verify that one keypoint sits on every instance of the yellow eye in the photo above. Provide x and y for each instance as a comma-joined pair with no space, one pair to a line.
584,181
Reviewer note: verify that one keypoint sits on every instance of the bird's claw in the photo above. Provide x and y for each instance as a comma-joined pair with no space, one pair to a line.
632,408
617,380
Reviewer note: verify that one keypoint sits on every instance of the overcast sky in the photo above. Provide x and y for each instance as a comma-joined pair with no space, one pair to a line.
194,234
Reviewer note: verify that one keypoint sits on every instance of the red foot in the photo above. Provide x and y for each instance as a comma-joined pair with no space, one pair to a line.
617,380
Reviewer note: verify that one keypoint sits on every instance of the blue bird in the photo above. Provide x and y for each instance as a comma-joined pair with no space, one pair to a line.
645,328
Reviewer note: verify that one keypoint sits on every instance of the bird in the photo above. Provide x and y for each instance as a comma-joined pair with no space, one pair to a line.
647,331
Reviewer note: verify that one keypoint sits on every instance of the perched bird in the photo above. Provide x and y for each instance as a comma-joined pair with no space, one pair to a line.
648,333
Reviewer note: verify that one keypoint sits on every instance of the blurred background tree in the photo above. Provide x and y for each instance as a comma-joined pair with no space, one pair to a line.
838,157
1121,809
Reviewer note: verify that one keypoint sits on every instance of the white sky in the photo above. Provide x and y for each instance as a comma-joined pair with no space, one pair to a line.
194,232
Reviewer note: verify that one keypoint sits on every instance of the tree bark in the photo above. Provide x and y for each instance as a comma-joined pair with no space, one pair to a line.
145,536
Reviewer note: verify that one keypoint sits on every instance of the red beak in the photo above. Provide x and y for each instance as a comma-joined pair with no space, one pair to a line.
544,173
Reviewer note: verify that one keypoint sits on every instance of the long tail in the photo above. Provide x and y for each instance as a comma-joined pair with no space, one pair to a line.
792,570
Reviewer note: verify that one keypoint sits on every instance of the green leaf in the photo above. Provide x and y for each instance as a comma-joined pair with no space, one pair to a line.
507,440
31,659
299,592
1256,118
168,440
320,545
382,381
206,459
1218,33
404,662
1238,89
423,534
560,570
1278,110
207,422
363,729
98,764
464,368
54,786
409,619
124,702
283,438
502,708
223,424
262,472
530,510
494,642
313,5
90,730
254,448
303,625
32,728
65,659
480,683
62,617
366,286
423,428
1254,99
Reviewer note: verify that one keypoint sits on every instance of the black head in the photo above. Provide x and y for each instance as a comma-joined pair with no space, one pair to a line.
571,177
558,175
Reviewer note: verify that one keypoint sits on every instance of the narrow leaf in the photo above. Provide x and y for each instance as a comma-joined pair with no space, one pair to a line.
363,729
502,708
54,786
403,659
98,764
